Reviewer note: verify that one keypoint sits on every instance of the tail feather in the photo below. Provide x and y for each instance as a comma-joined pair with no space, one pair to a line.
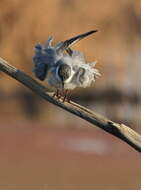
65,44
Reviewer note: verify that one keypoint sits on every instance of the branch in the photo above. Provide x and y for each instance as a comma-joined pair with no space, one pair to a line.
119,130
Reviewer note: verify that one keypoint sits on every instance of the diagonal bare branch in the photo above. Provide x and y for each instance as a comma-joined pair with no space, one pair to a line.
119,130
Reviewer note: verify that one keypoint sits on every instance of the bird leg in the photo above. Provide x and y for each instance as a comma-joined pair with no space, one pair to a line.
66,96
57,94
69,96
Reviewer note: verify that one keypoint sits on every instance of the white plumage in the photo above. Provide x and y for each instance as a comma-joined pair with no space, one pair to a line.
64,70
82,73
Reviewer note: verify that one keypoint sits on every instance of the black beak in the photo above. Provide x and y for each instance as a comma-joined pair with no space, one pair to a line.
64,45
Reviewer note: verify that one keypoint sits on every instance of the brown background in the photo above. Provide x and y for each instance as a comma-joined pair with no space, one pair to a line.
41,146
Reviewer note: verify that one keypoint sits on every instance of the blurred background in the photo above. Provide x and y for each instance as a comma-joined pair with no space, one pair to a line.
45,148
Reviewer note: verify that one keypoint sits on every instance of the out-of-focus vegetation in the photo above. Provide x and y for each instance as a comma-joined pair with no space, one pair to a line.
116,47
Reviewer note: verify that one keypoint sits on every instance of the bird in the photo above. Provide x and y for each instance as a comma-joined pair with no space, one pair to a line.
63,68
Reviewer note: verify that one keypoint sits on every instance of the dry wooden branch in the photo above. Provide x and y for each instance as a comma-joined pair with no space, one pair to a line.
119,130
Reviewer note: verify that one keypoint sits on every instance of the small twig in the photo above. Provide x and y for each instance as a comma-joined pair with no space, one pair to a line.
119,130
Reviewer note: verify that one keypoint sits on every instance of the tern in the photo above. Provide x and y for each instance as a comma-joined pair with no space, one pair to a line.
63,68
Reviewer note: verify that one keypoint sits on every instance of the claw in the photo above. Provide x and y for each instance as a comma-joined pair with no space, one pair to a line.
64,94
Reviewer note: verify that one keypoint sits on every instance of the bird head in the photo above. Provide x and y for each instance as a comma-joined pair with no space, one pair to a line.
64,72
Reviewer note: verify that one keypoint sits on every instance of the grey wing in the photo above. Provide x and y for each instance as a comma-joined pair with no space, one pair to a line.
60,47
40,68
39,60
40,71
